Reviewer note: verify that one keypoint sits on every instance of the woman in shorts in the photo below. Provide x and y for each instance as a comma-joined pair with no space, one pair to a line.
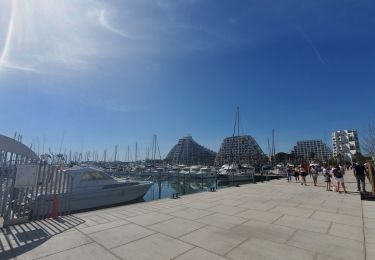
303,172
339,178
314,174
296,174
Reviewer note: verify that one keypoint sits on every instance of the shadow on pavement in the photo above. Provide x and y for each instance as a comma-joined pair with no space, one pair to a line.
19,239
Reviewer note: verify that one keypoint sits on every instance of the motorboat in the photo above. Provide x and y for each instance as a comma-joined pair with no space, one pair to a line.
206,172
92,187
227,169
235,172
195,169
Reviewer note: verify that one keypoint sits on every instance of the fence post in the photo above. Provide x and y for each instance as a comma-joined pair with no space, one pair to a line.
55,206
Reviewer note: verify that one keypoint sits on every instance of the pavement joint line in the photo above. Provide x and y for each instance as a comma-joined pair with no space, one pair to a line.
63,250
185,234
191,249
186,242
104,229
364,233
314,210
283,214
273,207
291,236
135,240
105,249
247,239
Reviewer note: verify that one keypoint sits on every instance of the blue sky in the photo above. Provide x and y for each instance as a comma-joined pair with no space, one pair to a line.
99,73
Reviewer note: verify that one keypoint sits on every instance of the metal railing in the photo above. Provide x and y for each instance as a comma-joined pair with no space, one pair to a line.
47,196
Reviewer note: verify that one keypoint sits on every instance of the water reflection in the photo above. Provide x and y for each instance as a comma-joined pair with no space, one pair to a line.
166,187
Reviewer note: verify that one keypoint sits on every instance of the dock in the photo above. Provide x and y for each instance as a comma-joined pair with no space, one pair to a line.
269,220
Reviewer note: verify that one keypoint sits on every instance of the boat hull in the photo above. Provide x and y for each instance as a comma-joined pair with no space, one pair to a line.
90,198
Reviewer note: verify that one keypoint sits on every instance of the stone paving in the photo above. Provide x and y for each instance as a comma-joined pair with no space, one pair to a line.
271,220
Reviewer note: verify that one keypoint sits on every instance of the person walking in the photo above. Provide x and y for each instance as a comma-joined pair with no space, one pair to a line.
303,173
360,173
314,174
327,178
339,178
289,174
296,174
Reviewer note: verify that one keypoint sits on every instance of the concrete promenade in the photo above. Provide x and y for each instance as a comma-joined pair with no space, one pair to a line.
270,220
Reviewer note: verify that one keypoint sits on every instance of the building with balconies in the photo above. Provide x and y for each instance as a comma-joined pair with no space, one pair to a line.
311,150
240,149
189,152
345,145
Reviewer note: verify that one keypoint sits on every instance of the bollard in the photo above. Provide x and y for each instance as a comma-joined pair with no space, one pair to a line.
55,207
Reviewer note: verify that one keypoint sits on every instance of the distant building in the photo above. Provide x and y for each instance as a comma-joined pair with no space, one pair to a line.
345,144
189,152
239,149
312,150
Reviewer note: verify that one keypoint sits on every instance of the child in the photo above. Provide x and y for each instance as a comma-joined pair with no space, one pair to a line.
327,179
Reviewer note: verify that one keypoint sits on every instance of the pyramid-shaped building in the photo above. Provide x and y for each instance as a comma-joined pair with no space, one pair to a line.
189,152
240,149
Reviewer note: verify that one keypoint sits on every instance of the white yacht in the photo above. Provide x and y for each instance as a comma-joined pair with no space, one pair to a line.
94,188
195,169
235,172
206,172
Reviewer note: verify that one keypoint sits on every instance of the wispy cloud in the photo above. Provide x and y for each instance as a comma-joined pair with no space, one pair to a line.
103,20
41,35
312,45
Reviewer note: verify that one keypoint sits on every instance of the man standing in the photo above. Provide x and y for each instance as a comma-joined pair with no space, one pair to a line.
360,174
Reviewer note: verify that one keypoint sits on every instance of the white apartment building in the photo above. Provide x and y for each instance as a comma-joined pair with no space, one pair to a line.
345,144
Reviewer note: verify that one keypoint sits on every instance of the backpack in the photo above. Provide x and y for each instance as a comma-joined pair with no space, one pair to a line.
337,173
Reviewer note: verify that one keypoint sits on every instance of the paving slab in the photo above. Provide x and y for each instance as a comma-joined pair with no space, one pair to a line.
157,246
304,223
199,253
294,211
214,239
328,245
265,231
346,231
114,237
268,217
338,218
85,252
225,209
149,218
259,249
191,213
55,244
100,227
177,227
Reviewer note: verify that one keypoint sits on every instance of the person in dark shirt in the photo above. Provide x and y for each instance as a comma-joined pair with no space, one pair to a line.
360,174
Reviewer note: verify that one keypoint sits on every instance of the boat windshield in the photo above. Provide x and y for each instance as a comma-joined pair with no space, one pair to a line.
91,176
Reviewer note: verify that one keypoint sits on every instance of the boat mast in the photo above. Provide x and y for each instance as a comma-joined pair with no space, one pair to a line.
238,135
115,153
